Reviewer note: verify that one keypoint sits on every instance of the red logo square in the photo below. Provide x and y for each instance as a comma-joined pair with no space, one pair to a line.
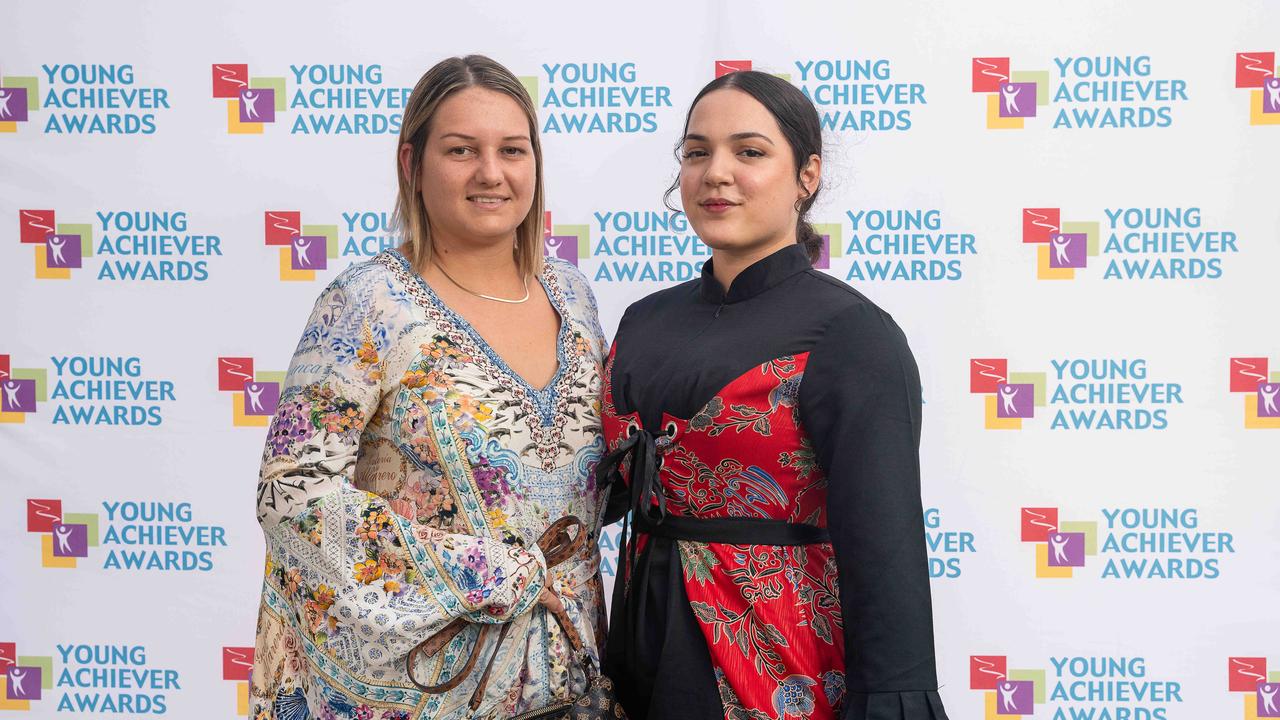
8,656
283,226
1247,373
43,514
546,225
1244,673
237,663
34,226
229,79
724,67
234,372
986,670
4,366
986,373
1037,523
1253,68
989,72
1039,223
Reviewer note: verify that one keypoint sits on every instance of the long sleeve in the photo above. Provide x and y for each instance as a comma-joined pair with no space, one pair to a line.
356,574
860,403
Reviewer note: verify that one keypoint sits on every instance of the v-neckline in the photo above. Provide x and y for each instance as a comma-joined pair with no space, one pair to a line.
542,396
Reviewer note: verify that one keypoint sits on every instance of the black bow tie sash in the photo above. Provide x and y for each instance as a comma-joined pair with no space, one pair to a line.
648,510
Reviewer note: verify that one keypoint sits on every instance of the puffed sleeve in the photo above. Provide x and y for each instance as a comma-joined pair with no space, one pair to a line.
860,402
338,556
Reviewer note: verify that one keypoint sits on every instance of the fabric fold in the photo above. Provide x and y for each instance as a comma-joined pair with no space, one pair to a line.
910,705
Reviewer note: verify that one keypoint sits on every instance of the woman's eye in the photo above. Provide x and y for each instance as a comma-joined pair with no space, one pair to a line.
752,153
513,151
688,154
459,150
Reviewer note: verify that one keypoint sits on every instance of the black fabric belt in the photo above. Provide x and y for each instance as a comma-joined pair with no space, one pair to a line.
734,531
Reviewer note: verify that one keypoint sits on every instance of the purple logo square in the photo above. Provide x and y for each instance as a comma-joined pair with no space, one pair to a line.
70,540
1068,250
564,247
22,682
1015,400
1017,99
13,104
63,251
824,254
257,105
17,395
309,252
1269,400
1015,697
1271,95
1268,699
261,398
1066,549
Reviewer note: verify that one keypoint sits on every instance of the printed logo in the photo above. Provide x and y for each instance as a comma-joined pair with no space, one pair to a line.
1257,72
1009,398
304,249
327,99
23,678
254,395
1260,689
1158,243
905,245
597,98
1011,96
138,535
134,245
1117,91
1083,394
82,99
1062,248
1135,543
64,538
237,665
252,102
21,389
947,547
1249,377
629,246
1076,687
1060,546
851,94
1006,692
58,248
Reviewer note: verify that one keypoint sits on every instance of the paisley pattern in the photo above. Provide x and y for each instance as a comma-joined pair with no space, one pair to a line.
406,477
770,615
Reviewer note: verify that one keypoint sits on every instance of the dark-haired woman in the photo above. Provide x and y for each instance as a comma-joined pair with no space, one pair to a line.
763,424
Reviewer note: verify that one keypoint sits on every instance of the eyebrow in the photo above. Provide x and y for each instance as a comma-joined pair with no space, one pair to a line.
471,138
736,136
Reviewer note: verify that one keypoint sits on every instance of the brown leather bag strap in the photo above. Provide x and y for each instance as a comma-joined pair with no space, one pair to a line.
557,547
435,644
478,694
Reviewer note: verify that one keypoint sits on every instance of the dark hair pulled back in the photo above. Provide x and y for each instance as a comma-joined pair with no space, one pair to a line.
796,117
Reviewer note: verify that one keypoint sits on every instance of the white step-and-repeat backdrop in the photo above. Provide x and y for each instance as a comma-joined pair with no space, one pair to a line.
1072,209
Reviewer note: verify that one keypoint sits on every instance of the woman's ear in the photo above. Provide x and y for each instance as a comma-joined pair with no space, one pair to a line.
810,176
406,161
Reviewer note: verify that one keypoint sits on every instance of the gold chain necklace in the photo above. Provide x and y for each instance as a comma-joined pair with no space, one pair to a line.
482,295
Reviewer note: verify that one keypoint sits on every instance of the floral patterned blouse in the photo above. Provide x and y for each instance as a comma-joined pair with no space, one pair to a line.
406,478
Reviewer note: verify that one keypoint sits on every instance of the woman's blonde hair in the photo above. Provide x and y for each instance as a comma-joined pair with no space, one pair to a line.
437,84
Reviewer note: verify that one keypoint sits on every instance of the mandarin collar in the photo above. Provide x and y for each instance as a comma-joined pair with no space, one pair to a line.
757,277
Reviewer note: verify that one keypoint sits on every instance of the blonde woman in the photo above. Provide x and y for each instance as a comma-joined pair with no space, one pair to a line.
440,413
